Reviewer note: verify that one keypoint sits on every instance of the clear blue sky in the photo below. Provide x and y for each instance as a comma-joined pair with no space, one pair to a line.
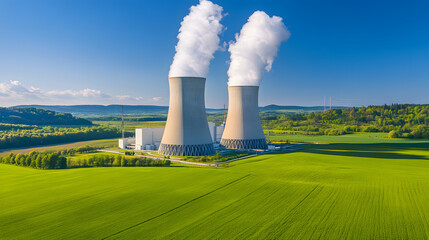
102,52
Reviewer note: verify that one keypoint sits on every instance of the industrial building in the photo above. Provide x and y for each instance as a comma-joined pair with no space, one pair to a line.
148,138
243,128
186,131
124,143
216,131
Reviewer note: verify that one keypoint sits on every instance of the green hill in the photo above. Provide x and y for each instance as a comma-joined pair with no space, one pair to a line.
37,116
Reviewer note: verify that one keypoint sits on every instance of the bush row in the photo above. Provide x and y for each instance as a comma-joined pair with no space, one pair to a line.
116,160
40,160
58,160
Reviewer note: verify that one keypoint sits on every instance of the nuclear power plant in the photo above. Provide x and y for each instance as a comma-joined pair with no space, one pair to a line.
186,131
243,129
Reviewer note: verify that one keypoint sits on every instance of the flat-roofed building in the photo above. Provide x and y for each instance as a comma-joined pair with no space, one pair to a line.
148,138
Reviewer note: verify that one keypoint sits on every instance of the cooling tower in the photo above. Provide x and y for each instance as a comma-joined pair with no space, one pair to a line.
186,131
243,129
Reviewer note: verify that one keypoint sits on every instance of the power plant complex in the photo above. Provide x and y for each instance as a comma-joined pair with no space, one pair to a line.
187,132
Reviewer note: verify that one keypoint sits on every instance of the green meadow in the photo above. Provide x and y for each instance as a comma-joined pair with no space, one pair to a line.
56,147
130,126
348,189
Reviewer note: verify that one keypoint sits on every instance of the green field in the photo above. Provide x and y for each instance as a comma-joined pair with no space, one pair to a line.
130,126
94,143
344,190
348,138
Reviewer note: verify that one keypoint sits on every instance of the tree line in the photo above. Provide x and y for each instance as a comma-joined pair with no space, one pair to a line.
11,127
39,160
66,159
135,118
116,160
216,158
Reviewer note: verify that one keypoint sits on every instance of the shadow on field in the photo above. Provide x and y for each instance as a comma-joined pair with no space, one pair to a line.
376,150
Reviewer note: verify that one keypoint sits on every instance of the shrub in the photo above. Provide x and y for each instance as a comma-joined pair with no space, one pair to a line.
394,134
370,129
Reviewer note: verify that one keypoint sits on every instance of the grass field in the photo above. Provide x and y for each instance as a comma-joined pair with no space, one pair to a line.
95,143
348,138
344,190
130,126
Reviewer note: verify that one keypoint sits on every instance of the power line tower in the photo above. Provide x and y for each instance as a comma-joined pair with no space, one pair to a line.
324,104
268,130
123,125
330,102
224,115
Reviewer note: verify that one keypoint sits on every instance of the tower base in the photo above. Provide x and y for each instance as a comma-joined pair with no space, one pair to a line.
244,143
186,150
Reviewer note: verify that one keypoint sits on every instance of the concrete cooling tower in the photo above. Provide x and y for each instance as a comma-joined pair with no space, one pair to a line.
186,131
243,129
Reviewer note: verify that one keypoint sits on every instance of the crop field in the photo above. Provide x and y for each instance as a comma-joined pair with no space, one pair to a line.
94,143
130,126
348,138
343,190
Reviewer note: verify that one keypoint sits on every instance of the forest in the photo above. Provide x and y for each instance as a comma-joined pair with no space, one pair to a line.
399,120
38,116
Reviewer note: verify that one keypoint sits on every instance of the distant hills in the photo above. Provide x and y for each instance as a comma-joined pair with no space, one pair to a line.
274,108
94,110
89,110
39,116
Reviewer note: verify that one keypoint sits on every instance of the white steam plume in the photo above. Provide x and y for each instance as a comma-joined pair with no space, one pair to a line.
198,40
255,49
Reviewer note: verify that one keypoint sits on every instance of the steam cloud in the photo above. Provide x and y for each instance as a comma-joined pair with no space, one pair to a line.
198,40
255,49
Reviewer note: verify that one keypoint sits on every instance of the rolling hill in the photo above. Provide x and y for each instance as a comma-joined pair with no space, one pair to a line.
87,110
38,116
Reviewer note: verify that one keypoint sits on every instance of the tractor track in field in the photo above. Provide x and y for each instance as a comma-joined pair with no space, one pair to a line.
304,198
173,209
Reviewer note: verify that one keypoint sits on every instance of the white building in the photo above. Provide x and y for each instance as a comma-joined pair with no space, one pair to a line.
124,143
219,132
148,138
216,131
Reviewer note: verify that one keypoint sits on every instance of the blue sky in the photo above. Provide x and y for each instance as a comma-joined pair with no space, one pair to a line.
104,52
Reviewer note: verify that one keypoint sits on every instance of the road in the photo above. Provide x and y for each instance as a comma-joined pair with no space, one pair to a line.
290,148
159,158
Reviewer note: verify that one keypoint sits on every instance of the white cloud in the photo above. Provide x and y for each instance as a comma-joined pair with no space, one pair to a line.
16,83
15,90
14,93
79,93
123,97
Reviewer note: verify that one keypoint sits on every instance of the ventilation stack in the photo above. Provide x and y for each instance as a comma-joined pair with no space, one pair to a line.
186,131
243,129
